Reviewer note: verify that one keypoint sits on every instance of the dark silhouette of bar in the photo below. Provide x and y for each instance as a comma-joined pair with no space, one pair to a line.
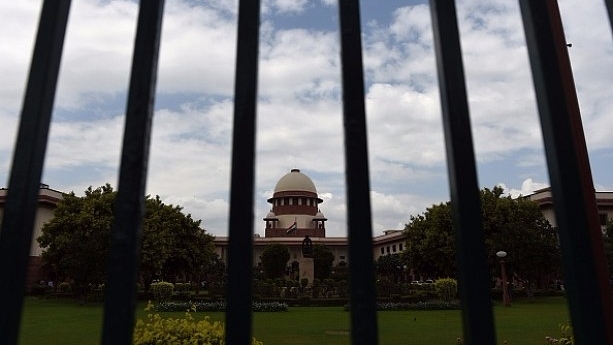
572,187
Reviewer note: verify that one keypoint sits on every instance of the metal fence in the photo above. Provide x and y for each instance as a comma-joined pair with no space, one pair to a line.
584,262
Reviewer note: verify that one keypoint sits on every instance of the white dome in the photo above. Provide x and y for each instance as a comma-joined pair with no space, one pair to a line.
271,214
295,181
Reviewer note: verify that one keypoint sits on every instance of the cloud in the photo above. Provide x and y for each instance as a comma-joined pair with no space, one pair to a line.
528,186
299,118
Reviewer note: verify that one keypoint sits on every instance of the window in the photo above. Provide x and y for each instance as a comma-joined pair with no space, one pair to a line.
388,249
400,247
394,248
382,250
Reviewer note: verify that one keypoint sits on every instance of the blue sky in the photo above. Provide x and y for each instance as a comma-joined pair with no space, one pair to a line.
299,108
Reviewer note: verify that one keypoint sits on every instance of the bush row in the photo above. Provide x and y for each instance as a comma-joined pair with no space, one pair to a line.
431,305
219,306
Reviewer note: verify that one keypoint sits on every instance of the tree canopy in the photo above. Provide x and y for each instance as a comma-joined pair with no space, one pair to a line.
274,260
516,226
75,242
322,261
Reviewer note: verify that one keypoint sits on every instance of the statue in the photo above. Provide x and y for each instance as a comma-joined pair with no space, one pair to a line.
307,247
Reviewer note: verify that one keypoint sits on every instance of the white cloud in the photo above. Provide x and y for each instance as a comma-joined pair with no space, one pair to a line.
528,186
300,109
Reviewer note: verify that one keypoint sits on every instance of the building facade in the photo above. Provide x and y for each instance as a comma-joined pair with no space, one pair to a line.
294,213
604,202
47,202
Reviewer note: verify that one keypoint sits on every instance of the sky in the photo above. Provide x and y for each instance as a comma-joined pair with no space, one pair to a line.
299,110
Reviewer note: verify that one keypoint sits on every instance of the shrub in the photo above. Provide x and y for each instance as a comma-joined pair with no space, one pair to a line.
64,287
447,288
162,291
566,339
158,330
383,306
182,288
217,306
39,289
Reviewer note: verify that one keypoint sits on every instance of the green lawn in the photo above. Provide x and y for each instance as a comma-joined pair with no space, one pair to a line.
48,321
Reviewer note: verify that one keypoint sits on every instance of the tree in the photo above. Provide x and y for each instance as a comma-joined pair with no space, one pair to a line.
173,245
274,260
389,266
322,261
430,246
76,241
516,226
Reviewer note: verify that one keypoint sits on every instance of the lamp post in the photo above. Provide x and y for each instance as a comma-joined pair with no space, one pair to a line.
506,301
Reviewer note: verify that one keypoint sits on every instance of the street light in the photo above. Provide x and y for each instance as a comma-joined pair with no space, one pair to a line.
506,301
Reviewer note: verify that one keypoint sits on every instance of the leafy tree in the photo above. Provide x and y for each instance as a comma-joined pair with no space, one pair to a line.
274,260
174,245
516,226
76,241
322,261
390,266
430,246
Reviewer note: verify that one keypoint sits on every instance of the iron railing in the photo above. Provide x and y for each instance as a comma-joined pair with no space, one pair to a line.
572,187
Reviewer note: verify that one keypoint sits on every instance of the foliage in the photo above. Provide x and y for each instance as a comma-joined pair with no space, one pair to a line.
390,266
566,338
388,306
274,260
218,306
76,240
516,226
430,247
322,261
64,287
77,237
162,291
39,289
158,330
447,288
173,243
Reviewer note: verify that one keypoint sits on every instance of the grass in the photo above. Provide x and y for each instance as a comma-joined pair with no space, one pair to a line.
49,321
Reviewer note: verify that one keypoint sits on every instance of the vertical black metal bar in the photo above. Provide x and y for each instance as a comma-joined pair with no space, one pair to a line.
585,273
359,223
28,160
477,318
240,247
609,4
126,235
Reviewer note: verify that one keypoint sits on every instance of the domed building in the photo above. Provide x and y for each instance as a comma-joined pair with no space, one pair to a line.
295,208
295,213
